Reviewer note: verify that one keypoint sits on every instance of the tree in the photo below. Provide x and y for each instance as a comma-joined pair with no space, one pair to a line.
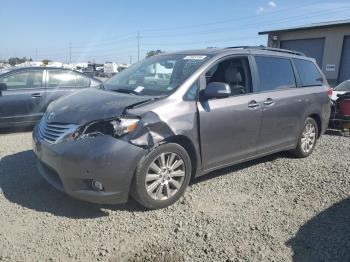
154,52
15,60
46,61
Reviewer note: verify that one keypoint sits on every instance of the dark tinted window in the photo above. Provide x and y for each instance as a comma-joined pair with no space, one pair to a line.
62,78
308,72
275,73
24,79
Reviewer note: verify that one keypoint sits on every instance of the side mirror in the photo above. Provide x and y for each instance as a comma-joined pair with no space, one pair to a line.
217,90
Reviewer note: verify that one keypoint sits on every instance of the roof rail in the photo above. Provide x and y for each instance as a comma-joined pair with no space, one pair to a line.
261,47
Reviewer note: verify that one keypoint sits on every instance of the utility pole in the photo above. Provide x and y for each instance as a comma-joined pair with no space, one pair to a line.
70,53
138,45
36,54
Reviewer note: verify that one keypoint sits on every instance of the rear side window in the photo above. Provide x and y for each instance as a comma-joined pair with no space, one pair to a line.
83,81
308,72
61,78
275,73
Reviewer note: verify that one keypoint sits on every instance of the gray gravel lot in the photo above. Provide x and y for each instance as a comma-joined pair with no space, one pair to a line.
273,209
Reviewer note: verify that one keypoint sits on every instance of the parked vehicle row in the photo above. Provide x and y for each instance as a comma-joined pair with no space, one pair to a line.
149,138
26,92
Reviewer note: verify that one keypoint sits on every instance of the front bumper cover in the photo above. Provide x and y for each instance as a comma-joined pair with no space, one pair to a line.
70,166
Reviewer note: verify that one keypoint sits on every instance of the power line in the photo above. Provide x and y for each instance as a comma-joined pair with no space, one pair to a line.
220,30
138,46
91,48
236,18
205,42
117,38
244,26
70,53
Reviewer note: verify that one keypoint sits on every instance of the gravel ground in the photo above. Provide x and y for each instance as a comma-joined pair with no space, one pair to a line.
274,209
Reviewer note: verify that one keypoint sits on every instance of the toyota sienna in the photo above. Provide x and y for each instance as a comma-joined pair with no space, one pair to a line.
214,108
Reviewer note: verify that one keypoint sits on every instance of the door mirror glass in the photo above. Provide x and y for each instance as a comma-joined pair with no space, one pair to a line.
217,90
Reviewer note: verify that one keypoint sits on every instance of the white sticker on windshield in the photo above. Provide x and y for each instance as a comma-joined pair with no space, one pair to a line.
195,57
138,89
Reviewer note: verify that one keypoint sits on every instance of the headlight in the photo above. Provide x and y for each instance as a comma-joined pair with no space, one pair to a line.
112,127
123,126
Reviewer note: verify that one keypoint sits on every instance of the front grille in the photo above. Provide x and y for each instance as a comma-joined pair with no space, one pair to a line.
53,132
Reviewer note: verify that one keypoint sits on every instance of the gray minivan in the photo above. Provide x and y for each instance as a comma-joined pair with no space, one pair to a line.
148,138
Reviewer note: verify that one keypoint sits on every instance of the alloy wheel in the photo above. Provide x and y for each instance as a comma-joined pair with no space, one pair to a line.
165,176
308,137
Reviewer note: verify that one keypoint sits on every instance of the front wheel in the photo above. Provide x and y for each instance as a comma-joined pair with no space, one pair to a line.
162,176
308,139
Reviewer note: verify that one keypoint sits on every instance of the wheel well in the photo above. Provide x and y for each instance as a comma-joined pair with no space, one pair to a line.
187,144
319,123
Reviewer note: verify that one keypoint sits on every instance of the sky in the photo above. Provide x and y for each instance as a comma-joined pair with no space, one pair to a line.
108,30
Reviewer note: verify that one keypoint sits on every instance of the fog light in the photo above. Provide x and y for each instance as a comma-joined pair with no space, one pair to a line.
96,185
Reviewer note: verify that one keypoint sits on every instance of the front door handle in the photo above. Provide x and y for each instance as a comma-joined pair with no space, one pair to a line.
35,95
268,102
253,104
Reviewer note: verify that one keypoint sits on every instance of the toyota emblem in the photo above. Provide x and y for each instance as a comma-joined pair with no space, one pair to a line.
51,116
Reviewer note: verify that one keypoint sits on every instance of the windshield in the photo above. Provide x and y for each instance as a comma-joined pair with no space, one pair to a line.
345,86
156,76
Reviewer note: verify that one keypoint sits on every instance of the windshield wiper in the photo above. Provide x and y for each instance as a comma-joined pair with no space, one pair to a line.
126,91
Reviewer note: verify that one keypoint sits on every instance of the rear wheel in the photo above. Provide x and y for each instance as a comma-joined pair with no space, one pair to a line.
162,176
308,139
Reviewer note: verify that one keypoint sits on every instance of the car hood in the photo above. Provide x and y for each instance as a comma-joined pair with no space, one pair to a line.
91,104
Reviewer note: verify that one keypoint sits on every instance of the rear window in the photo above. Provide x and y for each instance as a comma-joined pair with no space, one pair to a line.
308,73
275,73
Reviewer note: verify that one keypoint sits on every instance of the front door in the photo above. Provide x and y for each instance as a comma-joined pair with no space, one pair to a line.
23,101
229,127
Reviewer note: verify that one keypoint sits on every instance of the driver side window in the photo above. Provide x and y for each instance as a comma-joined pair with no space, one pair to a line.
235,72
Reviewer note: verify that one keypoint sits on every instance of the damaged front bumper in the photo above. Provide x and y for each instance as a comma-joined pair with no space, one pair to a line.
73,166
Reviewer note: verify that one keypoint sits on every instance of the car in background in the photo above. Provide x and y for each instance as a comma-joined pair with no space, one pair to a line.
110,69
26,92
341,89
157,79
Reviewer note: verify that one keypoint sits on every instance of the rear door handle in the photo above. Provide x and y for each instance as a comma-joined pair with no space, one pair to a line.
268,102
253,104
35,95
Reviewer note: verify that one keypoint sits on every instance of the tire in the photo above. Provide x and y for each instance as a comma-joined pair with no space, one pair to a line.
156,185
302,150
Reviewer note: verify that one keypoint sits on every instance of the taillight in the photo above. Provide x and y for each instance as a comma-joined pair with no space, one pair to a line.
330,92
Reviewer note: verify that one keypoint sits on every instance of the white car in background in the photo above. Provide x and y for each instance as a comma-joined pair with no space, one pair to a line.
110,68
340,89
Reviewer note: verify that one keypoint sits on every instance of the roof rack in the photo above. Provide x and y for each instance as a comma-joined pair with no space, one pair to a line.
261,47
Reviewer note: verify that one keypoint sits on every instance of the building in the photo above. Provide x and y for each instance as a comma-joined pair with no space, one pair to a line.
328,43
